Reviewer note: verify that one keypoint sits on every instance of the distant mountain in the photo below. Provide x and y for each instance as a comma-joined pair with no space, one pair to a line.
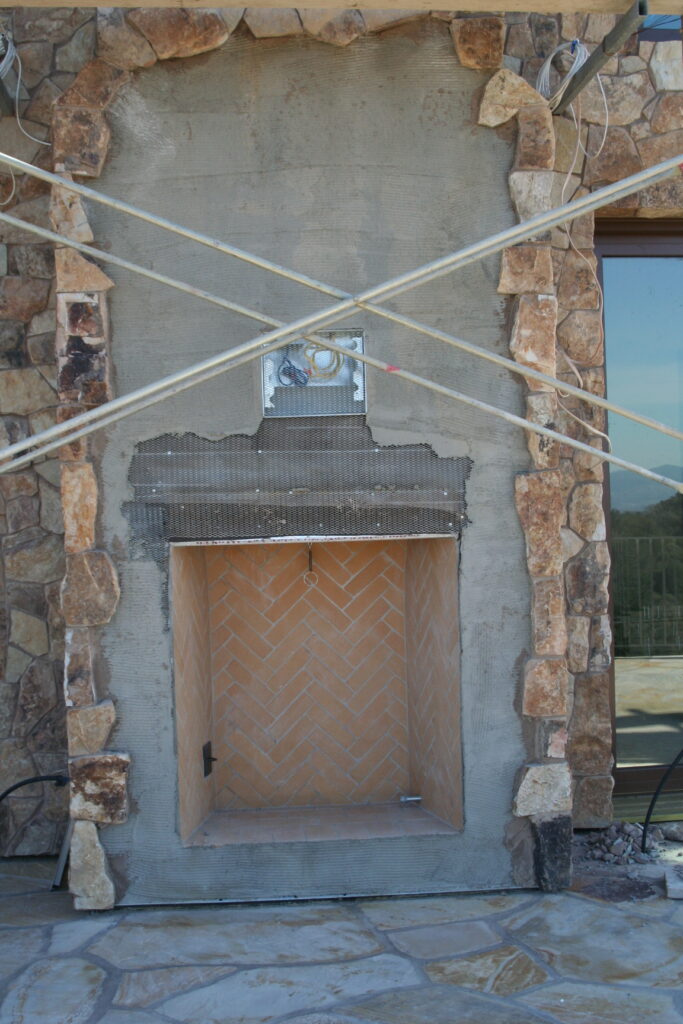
632,493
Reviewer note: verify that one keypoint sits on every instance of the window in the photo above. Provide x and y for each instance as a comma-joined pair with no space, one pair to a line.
642,277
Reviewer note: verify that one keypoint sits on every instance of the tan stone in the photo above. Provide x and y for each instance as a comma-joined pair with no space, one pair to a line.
119,43
79,504
68,216
578,635
556,741
379,20
479,42
531,192
586,579
22,297
89,878
98,787
586,515
535,139
80,140
90,591
662,200
88,728
14,484
95,85
597,27
75,273
37,696
33,556
667,114
580,335
661,147
626,96
519,42
503,971
273,22
179,32
504,95
546,685
617,159
589,467
540,506
532,341
571,544
593,802
600,651
77,449
28,632
526,268
543,789
578,287
666,65
339,29
79,683
589,750
541,408
567,153
548,617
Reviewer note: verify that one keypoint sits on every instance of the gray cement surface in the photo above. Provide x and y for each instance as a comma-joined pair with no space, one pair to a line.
352,165
604,953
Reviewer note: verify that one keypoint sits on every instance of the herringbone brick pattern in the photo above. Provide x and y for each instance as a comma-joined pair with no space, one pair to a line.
192,674
433,651
309,682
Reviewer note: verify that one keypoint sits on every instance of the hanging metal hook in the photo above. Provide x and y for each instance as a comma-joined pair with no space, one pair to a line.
310,577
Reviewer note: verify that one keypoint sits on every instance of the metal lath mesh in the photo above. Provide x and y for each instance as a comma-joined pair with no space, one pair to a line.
293,478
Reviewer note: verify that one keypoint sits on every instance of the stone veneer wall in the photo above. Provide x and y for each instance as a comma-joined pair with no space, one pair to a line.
565,691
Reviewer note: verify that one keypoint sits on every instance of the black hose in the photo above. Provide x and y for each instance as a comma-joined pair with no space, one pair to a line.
58,779
662,782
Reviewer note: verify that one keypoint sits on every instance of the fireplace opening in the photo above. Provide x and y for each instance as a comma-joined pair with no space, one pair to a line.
325,676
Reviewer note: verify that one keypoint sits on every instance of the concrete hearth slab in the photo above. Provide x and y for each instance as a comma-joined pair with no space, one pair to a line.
603,953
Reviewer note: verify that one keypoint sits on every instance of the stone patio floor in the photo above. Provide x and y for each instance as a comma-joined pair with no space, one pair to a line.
595,954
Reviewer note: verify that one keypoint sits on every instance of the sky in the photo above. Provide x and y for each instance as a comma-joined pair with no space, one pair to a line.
644,346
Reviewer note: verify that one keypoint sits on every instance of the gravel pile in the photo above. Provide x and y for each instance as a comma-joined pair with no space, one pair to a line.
621,844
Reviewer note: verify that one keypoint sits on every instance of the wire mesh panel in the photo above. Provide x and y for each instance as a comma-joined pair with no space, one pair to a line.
293,478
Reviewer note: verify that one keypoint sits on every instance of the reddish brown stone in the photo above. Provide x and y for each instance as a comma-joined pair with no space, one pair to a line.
589,750
580,335
617,159
532,342
667,115
657,148
338,28
90,591
540,505
179,32
120,43
12,485
80,140
479,42
546,683
592,806
578,288
22,297
98,788
578,630
40,109
548,618
95,86
526,268
77,449
586,579
535,139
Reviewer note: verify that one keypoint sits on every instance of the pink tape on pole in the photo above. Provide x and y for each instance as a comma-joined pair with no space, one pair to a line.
392,369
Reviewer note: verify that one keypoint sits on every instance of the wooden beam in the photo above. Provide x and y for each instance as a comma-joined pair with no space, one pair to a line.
469,6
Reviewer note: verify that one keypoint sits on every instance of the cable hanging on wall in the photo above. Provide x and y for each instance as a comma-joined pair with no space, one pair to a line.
8,58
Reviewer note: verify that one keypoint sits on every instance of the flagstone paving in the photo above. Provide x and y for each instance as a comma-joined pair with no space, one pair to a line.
504,958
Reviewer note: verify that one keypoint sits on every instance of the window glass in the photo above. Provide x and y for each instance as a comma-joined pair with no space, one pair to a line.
644,358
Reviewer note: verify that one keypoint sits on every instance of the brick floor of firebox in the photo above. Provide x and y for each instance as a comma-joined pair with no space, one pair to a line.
608,950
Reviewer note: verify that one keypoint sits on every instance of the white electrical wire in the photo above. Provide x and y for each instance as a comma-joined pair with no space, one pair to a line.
9,57
580,54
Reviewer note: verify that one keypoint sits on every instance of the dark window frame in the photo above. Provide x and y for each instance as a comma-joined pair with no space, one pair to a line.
624,237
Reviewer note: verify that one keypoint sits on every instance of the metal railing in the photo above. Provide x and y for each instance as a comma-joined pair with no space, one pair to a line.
282,334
